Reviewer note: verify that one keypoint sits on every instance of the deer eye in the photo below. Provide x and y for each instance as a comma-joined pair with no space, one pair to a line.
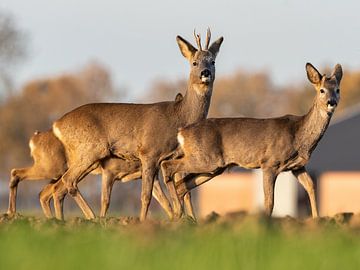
337,91
194,64
213,63
322,91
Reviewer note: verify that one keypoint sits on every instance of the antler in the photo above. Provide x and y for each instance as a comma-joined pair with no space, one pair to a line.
208,37
198,40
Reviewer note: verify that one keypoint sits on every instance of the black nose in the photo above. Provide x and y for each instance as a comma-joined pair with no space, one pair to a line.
332,102
205,73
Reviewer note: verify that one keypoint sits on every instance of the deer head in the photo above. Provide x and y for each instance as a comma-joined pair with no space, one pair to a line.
202,61
327,88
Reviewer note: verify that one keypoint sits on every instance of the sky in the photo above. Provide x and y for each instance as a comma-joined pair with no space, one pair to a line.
136,39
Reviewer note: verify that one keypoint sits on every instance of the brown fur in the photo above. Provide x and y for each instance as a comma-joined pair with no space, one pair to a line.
50,163
274,145
145,132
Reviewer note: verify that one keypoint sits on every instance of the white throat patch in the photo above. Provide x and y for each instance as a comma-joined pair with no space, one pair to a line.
201,91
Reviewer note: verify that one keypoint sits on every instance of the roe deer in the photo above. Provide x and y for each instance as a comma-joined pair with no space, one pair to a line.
50,163
145,132
274,145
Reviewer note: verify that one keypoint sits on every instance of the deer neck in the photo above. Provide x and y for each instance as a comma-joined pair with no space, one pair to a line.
311,128
196,103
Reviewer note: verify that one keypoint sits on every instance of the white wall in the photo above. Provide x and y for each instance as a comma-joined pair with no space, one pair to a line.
285,194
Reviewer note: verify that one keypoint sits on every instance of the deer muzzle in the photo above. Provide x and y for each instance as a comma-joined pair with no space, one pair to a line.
331,104
205,76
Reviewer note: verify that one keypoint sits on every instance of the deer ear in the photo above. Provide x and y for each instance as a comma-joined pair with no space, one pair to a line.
178,97
313,74
337,72
215,46
186,48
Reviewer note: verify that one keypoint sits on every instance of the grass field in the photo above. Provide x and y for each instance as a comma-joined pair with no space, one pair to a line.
233,242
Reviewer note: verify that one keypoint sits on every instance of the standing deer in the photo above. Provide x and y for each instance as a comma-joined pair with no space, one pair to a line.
274,145
50,163
145,132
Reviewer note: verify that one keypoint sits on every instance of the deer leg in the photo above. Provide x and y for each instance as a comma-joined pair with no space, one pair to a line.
178,209
45,197
305,180
169,168
58,198
186,199
188,205
190,181
148,176
12,200
73,175
269,179
160,196
79,199
13,184
108,180
86,160
18,175
194,180
58,193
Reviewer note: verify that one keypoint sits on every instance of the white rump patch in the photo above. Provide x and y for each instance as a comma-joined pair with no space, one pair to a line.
181,139
32,146
56,131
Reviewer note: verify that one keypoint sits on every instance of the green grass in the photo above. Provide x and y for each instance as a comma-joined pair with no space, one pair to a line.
237,244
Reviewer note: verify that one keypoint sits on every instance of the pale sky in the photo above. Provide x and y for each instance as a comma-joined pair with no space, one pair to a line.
136,39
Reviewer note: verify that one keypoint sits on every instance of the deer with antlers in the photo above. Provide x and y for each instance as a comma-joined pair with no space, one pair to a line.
275,145
144,132
50,163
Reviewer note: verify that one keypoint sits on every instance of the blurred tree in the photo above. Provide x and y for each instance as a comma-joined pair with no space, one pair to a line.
350,89
242,94
253,94
161,90
97,82
12,49
41,102
298,97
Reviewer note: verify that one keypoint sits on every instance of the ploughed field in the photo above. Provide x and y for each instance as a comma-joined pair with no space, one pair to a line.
235,241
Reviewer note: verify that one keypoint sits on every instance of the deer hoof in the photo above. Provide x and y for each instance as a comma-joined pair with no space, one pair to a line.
10,213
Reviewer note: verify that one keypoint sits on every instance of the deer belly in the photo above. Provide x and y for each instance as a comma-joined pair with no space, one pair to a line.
295,164
247,161
125,149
